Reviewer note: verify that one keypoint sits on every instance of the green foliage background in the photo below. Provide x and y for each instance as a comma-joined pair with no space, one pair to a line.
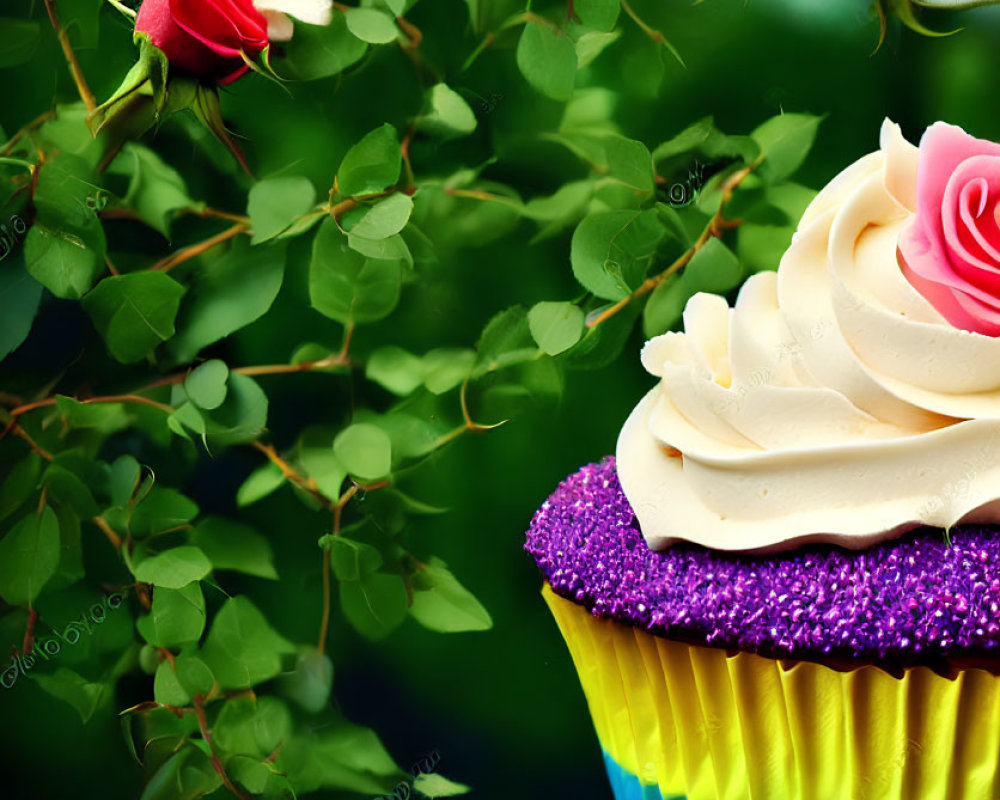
502,706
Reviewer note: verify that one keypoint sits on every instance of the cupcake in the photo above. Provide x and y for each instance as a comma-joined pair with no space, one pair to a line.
786,583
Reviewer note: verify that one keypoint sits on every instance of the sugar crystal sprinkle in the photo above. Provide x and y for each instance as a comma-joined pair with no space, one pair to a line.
912,600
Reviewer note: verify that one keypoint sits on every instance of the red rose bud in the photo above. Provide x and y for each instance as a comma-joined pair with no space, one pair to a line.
205,38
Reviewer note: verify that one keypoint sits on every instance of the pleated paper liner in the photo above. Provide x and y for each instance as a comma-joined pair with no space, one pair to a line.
695,722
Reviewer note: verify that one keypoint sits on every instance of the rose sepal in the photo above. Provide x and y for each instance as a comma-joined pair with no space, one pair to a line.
206,107
148,77
264,68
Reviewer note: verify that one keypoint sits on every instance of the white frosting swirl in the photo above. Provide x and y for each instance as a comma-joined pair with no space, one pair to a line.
832,403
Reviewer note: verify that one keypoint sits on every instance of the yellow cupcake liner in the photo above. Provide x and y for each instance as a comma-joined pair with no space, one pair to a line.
705,725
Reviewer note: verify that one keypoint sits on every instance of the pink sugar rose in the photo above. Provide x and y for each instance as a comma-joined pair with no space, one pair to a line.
950,252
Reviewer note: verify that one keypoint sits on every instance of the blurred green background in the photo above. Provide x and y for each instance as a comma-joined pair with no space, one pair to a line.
503,708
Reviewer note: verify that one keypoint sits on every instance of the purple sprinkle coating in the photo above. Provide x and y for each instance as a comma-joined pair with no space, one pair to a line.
913,600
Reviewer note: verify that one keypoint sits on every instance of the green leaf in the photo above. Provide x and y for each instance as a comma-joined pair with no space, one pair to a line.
396,369
167,687
242,649
449,115
311,682
602,344
704,138
351,560
155,189
391,248
134,312
70,569
19,483
84,695
228,295
665,305
375,604
591,44
259,484
385,218
193,674
318,51
250,773
547,60
784,142
29,556
373,164
371,25
566,203
411,438
233,545
339,756
18,41
241,418
177,616
447,606
174,568
323,466
65,248
556,326
762,246
68,491
630,162
447,367
162,509
206,384
600,15
505,340
713,268
253,727
186,775
105,417
20,295
123,480
346,286
275,203
365,450
612,250
61,261
430,784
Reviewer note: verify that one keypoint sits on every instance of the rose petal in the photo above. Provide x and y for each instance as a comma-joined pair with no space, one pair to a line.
942,148
223,26
972,258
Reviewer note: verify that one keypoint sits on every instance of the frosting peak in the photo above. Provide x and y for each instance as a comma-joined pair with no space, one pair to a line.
834,402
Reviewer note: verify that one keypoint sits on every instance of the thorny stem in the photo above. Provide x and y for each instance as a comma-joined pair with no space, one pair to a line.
479,194
23,434
29,632
715,226
291,475
199,710
413,33
35,123
111,398
74,65
650,31
338,510
114,538
518,19
205,213
171,261
336,360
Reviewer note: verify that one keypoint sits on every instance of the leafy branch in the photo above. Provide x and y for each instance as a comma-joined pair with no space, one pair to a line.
716,225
